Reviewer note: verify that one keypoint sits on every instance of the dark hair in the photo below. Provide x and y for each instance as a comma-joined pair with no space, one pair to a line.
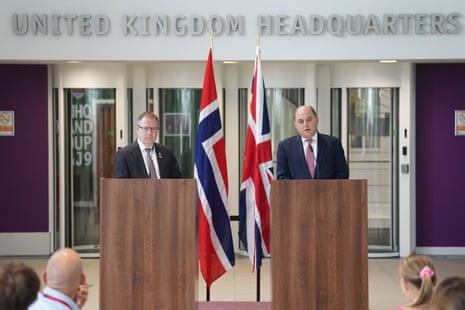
19,285
450,294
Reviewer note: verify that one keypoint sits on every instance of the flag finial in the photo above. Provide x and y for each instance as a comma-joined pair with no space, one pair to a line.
211,39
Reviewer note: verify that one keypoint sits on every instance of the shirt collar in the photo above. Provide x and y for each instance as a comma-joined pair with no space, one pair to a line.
57,294
142,146
314,138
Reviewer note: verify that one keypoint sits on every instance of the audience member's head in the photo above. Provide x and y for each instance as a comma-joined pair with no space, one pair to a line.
64,273
450,294
19,285
417,279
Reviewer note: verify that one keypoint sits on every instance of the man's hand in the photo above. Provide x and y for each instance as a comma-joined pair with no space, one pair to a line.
82,295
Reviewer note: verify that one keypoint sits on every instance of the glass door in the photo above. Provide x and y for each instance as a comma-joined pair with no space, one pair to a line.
90,115
179,118
372,145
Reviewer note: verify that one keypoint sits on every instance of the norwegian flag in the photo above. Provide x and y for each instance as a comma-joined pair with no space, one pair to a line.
257,173
216,251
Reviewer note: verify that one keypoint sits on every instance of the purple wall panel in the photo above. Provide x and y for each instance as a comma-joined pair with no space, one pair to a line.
440,156
24,156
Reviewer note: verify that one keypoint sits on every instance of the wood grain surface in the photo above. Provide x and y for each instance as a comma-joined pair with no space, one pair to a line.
319,257
148,254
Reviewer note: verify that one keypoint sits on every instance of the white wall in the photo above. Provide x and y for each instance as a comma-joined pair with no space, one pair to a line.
288,45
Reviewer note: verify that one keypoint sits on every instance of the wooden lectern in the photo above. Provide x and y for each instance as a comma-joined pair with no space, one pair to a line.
319,256
148,253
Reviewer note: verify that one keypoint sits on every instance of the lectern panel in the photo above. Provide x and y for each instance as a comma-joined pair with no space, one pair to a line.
319,244
148,255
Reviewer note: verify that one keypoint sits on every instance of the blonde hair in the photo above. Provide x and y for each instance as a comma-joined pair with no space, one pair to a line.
419,271
147,115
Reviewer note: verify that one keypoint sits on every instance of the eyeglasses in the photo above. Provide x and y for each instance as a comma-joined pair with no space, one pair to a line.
148,129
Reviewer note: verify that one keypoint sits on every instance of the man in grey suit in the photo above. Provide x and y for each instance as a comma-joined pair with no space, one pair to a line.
144,158
310,154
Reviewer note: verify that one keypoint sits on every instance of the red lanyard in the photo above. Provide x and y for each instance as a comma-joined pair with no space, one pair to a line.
61,301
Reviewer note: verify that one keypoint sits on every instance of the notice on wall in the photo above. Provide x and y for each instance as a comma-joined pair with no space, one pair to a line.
7,123
460,122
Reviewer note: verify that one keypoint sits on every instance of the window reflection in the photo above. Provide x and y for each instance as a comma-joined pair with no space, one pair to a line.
281,103
369,118
371,152
91,120
179,118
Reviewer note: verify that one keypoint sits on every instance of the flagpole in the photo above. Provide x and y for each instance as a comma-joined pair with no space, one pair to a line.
259,267
215,246
211,39
254,224
258,283
211,47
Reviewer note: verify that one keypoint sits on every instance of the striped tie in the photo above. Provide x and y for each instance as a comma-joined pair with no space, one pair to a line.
152,173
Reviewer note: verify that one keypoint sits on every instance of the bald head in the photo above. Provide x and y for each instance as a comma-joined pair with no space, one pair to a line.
305,109
64,271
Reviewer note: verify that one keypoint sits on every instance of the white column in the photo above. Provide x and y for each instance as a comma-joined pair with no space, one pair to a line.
407,214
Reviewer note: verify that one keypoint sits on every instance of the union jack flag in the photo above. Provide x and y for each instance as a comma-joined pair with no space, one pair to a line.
216,251
257,173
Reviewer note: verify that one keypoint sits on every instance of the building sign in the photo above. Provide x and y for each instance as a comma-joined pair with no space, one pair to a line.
265,25
7,123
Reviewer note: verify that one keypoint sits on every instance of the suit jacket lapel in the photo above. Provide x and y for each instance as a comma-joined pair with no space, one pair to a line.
321,150
299,157
138,160
161,160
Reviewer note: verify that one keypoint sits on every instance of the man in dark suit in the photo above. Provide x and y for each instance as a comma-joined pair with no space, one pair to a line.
144,158
310,154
